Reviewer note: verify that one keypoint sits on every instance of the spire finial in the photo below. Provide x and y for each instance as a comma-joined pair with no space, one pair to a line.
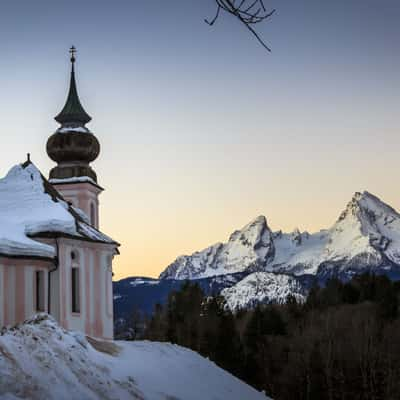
72,51
73,113
28,157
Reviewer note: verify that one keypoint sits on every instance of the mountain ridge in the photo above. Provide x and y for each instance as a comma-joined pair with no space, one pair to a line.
252,246
258,265
367,232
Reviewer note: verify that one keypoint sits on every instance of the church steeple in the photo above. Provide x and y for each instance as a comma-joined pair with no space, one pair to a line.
73,147
73,114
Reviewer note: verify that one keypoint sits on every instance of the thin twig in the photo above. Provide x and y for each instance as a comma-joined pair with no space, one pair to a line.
245,13
211,23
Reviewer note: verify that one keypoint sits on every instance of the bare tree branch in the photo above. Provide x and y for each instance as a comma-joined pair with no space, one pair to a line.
248,12
211,23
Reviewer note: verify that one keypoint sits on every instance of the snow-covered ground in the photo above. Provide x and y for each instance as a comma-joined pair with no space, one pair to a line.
40,360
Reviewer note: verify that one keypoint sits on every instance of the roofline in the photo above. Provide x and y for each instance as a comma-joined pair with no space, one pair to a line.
28,257
46,235
74,183
53,235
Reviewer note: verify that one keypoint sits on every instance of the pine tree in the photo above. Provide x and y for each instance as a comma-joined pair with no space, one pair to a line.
229,351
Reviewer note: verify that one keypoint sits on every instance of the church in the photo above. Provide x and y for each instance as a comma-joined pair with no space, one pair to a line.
53,257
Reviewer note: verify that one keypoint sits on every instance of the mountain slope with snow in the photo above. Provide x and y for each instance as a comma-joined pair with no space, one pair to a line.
262,287
366,236
39,360
247,249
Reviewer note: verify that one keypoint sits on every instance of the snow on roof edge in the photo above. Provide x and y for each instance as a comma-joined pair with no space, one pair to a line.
31,207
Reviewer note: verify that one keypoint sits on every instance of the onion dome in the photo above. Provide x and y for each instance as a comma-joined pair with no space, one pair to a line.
73,146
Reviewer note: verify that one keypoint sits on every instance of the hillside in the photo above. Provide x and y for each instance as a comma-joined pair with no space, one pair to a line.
262,287
39,360
142,294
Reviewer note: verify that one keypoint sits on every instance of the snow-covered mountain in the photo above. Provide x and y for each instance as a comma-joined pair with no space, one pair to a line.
250,248
40,360
365,236
262,287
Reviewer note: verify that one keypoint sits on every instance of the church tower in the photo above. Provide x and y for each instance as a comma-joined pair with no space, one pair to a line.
73,147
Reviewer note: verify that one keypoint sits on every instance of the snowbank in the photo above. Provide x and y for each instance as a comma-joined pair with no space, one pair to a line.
40,360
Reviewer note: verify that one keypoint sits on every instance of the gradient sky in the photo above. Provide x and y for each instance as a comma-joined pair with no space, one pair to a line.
201,129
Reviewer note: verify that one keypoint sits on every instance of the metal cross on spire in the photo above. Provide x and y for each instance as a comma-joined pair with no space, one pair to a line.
72,51
73,112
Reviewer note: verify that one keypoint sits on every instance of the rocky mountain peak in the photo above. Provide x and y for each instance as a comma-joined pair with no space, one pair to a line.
255,235
260,220
367,206
249,248
367,232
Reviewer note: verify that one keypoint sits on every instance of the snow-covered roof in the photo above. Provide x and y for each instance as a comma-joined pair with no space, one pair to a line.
80,129
74,179
30,207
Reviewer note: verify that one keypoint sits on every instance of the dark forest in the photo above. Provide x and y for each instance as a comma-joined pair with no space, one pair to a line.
342,343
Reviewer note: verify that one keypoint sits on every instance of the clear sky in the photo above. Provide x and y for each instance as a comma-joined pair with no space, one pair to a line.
201,129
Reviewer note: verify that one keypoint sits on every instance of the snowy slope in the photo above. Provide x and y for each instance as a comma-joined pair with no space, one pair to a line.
29,205
247,249
298,252
262,287
366,235
39,360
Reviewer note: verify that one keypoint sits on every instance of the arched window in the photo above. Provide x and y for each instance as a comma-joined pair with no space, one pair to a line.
92,214
75,283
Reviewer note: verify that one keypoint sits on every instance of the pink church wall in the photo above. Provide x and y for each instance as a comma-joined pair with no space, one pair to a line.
95,270
20,293
82,195
18,296
18,288
88,291
61,271
98,320
94,318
